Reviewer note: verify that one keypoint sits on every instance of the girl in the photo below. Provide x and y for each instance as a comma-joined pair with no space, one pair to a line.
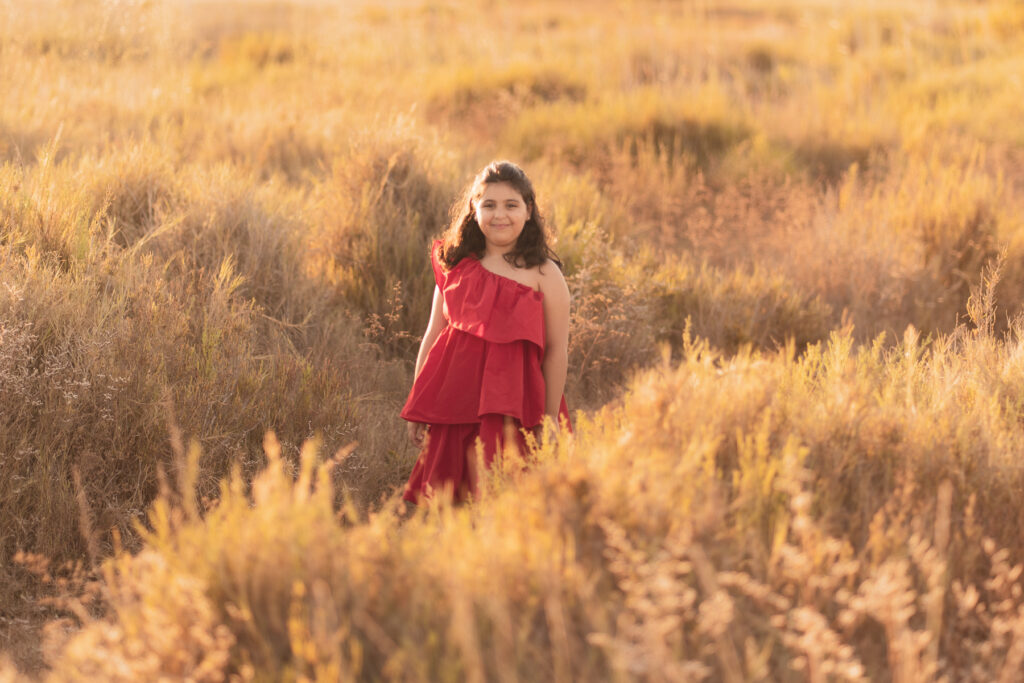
494,357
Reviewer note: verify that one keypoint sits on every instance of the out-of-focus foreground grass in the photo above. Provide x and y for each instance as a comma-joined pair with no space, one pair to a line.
214,220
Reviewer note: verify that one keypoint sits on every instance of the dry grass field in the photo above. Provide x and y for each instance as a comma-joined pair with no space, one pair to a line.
794,234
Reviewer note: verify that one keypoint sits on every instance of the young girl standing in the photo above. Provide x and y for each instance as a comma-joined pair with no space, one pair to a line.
494,357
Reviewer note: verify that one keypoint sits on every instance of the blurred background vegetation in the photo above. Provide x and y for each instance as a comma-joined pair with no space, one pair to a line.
794,234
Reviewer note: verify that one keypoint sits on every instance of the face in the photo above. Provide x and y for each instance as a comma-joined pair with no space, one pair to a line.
501,213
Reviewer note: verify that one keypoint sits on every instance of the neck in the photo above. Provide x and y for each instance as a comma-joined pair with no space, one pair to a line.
497,251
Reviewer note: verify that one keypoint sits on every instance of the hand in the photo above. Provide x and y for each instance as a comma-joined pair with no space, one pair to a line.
542,437
417,432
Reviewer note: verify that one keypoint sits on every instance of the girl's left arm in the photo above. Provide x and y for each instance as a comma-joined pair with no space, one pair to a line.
556,345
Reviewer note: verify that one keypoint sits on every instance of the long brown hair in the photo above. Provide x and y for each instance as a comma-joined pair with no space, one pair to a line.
464,237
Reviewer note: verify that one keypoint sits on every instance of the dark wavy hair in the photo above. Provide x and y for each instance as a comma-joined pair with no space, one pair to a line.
463,236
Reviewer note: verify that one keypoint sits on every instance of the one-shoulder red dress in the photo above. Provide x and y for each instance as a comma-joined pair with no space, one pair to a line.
485,365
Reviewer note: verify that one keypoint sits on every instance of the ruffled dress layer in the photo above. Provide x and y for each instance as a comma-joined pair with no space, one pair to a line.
482,378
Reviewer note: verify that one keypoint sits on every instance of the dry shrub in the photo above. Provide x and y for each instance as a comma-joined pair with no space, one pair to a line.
836,572
9,672
376,215
696,531
909,249
483,98
206,312
261,50
228,217
521,84
71,397
45,212
829,160
613,326
120,31
174,633
1006,19
738,309
278,145
626,300
885,248
90,375
132,192
585,134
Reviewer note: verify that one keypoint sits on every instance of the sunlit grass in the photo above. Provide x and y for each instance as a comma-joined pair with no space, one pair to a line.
793,235
793,501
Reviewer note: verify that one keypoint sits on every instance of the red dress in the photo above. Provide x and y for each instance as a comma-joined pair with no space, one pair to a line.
485,365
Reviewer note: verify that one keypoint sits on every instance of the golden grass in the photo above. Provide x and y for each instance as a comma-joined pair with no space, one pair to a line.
761,517
213,223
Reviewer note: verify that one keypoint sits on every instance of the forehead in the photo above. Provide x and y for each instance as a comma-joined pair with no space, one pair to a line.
499,192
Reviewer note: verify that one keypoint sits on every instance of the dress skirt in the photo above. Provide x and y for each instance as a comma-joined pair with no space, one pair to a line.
450,462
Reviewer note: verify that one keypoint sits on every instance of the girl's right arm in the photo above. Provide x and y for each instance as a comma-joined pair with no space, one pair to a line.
434,327
417,430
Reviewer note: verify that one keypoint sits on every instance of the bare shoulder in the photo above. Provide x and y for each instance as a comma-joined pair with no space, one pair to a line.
549,270
551,279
